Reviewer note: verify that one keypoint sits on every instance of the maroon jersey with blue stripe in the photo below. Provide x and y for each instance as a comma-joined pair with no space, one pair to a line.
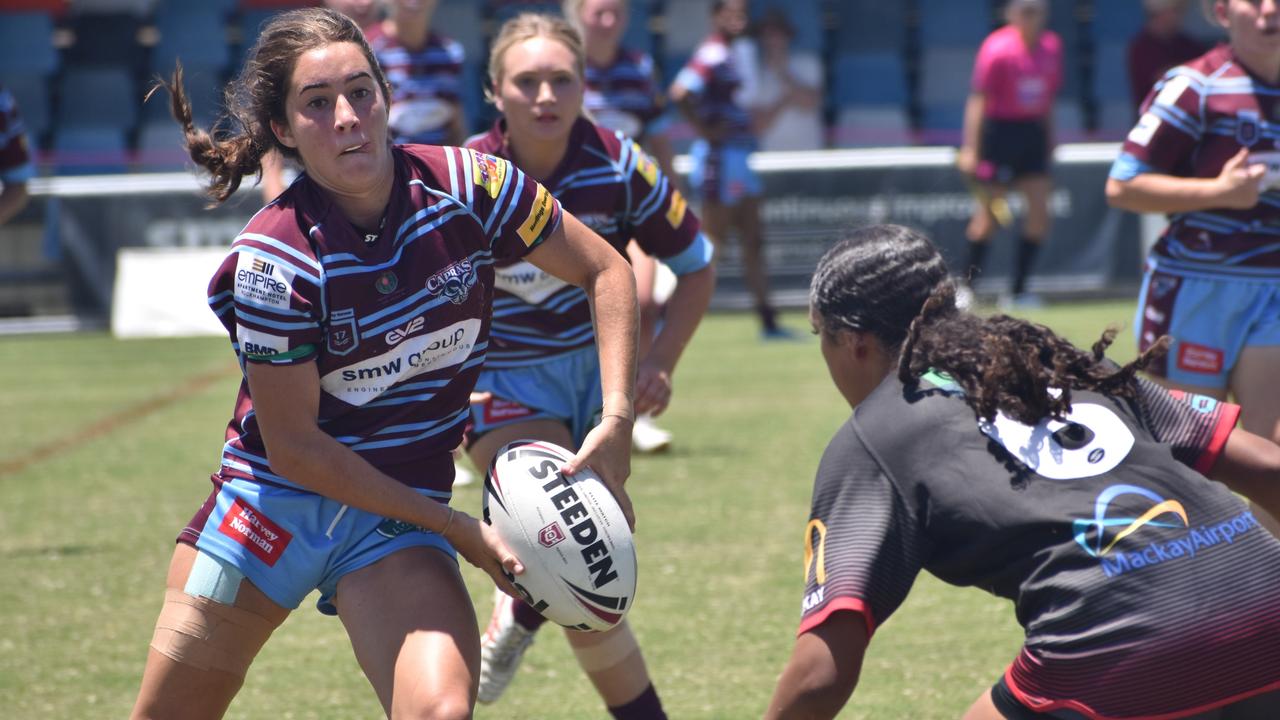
713,77
1195,119
1145,590
16,165
610,184
426,85
623,96
397,324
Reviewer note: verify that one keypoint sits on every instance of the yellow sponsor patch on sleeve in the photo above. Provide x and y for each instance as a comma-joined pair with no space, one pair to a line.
645,165
539,213
488,172
675,213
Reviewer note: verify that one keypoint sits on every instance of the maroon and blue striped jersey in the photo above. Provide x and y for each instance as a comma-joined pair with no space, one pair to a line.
1144,588
396,323
426,85
16,165
1196,118
610,184
624,96
713,77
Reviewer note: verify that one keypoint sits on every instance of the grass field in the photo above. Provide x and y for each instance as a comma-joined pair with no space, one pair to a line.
105,451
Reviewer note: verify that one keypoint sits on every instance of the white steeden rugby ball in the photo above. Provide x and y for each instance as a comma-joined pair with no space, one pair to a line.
569,533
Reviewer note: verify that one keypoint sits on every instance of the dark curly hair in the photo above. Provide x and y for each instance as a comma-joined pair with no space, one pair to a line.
257,96
890,281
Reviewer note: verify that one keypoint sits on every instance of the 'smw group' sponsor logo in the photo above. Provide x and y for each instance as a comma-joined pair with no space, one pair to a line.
364,381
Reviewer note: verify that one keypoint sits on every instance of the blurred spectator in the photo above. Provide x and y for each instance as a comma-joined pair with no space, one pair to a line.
1008,137
787,106
16,166
1160,45
425,72
622,92
365,13
709,91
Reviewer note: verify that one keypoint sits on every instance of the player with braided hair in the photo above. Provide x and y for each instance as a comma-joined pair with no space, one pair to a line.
992,453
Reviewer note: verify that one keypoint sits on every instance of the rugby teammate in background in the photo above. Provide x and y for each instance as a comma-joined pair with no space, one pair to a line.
994,454
1007,139
16,166
622,94
541,369
1205,153
358,304
708,93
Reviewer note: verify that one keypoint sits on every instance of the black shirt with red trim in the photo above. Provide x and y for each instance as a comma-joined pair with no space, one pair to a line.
1144,588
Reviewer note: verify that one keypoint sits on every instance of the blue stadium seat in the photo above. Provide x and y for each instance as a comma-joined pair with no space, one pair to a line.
90,150
805,17
107,39
204,88
942,116
876,78
32,94
949,23
639,36
871,25
872,126
251,22
1116,118
26,43
460,20
503,10
945,75
160,147
223,7
1068,121
1110,74
196,35
1116,20
103,97
687,23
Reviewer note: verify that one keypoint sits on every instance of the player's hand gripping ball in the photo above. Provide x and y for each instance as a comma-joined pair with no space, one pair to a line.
569,532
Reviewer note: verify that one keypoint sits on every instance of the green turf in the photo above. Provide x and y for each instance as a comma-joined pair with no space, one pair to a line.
85,535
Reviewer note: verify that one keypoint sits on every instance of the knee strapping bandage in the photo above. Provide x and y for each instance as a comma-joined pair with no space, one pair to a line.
605,650
209,635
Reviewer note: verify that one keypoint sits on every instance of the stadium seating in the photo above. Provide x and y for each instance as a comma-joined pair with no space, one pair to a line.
86,150
1116,118
26,43
461,20
872,78
871,26
194,34
1110,75
1115,21
805,17
639,34
872,126
32,94
106,39
104,97
949,23
160,147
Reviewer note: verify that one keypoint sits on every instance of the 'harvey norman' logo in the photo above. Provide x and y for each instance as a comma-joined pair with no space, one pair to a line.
1095,536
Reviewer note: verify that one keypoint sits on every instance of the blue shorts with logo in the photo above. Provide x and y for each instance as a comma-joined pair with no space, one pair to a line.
721,173
1211,319
564,388
288,542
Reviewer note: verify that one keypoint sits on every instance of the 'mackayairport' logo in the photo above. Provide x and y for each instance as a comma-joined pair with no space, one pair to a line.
1100,535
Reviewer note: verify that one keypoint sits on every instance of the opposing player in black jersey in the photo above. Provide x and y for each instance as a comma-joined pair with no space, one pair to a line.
994,454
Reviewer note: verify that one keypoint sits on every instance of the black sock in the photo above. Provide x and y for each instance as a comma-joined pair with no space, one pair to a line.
977,256
768,318
1028,249
526,616
645,707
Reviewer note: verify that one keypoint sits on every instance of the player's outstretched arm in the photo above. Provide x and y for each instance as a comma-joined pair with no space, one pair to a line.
823,669
578,256
1250,465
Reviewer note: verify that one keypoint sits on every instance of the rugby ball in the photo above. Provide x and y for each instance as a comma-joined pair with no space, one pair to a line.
568,532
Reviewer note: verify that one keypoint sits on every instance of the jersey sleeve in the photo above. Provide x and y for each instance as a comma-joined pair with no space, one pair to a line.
1195,426
985,67
1167,132
663,225
516,211
696,73
862,546
16,165
268,296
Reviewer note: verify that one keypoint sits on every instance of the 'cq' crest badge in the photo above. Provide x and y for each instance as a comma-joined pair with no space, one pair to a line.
343,336
386,283
1248,127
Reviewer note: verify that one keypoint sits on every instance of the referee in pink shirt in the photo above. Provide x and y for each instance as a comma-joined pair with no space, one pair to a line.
1007,136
